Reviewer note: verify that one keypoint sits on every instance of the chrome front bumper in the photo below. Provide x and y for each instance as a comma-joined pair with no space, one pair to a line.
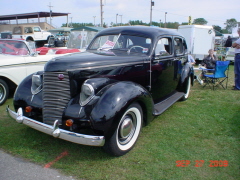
56,131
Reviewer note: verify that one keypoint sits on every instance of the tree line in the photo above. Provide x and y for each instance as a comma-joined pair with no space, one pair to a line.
230,24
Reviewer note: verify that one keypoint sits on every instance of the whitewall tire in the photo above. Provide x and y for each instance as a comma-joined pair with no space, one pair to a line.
127,132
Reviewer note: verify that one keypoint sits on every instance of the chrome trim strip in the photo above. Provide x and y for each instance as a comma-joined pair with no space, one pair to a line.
56,131
108,65
25,64
80,110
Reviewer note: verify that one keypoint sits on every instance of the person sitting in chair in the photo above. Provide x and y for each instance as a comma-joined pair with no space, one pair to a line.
209,61
191,59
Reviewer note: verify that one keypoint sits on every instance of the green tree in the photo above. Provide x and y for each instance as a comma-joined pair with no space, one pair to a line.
137,22
184,23
76,25
173,25
230,24
224,31
104,25
217,28
200,21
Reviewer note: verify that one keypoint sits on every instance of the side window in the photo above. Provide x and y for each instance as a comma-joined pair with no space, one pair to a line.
163,47
28,30
37,29
17,30
178,46
129,43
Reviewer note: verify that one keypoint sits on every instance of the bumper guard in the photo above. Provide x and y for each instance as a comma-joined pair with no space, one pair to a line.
55,131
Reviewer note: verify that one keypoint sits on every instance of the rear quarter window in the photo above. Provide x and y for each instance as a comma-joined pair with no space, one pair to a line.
17,30
163,47
178,46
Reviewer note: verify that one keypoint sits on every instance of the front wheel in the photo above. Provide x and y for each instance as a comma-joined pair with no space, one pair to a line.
4,91
127,132
187,89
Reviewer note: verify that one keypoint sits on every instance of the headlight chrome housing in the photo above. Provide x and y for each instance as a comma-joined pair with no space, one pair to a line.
36,84
87,93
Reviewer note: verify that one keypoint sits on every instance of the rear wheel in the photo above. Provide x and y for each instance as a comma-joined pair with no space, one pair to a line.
4,91
127,132
29,39
187,89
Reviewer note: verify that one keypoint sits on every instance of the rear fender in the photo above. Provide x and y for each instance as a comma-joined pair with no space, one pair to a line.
187,71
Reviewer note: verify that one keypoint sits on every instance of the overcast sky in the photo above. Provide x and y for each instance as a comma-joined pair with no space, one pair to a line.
216,12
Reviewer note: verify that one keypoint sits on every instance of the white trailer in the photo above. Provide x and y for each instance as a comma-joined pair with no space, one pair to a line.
200,39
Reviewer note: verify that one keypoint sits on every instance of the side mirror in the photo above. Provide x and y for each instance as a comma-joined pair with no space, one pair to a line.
34,54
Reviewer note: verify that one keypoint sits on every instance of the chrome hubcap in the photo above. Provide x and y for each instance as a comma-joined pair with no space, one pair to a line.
129,128
126,128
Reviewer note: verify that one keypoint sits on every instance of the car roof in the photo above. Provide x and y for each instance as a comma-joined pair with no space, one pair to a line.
147,31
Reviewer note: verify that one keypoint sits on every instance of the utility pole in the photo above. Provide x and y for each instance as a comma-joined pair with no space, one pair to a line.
121,20
101,7
116,19
152,4
94,20
71,22
160,22
165,20
50,14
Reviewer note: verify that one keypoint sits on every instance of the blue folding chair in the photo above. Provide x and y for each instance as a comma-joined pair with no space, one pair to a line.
218,76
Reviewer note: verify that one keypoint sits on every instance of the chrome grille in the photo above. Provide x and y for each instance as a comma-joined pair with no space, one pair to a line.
56,95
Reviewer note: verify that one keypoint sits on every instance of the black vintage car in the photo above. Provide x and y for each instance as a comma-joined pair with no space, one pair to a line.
103,97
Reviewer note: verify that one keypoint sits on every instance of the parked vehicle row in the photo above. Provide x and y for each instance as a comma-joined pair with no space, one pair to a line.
19,59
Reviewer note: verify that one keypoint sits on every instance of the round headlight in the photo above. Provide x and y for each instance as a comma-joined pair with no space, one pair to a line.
87,92
36,84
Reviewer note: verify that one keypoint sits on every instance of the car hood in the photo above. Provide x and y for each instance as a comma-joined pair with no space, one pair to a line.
7,59
86,60
10,59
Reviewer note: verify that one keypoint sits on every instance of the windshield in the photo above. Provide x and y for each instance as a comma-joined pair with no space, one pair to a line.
80,39
128,43
13,47
32,46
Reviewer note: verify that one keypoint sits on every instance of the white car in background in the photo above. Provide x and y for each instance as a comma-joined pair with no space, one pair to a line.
18,59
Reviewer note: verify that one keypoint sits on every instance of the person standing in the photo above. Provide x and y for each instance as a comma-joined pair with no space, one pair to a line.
228,44
236,45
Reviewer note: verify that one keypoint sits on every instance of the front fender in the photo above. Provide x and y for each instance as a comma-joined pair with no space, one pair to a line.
23,96
107,112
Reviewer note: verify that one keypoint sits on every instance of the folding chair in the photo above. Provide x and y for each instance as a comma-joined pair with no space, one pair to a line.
219,75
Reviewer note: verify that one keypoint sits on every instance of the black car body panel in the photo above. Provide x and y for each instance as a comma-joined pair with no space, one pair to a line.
142,65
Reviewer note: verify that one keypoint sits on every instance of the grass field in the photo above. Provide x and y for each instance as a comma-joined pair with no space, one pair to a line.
194,139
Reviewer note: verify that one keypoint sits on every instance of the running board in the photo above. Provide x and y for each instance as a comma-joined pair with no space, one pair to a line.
159,108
